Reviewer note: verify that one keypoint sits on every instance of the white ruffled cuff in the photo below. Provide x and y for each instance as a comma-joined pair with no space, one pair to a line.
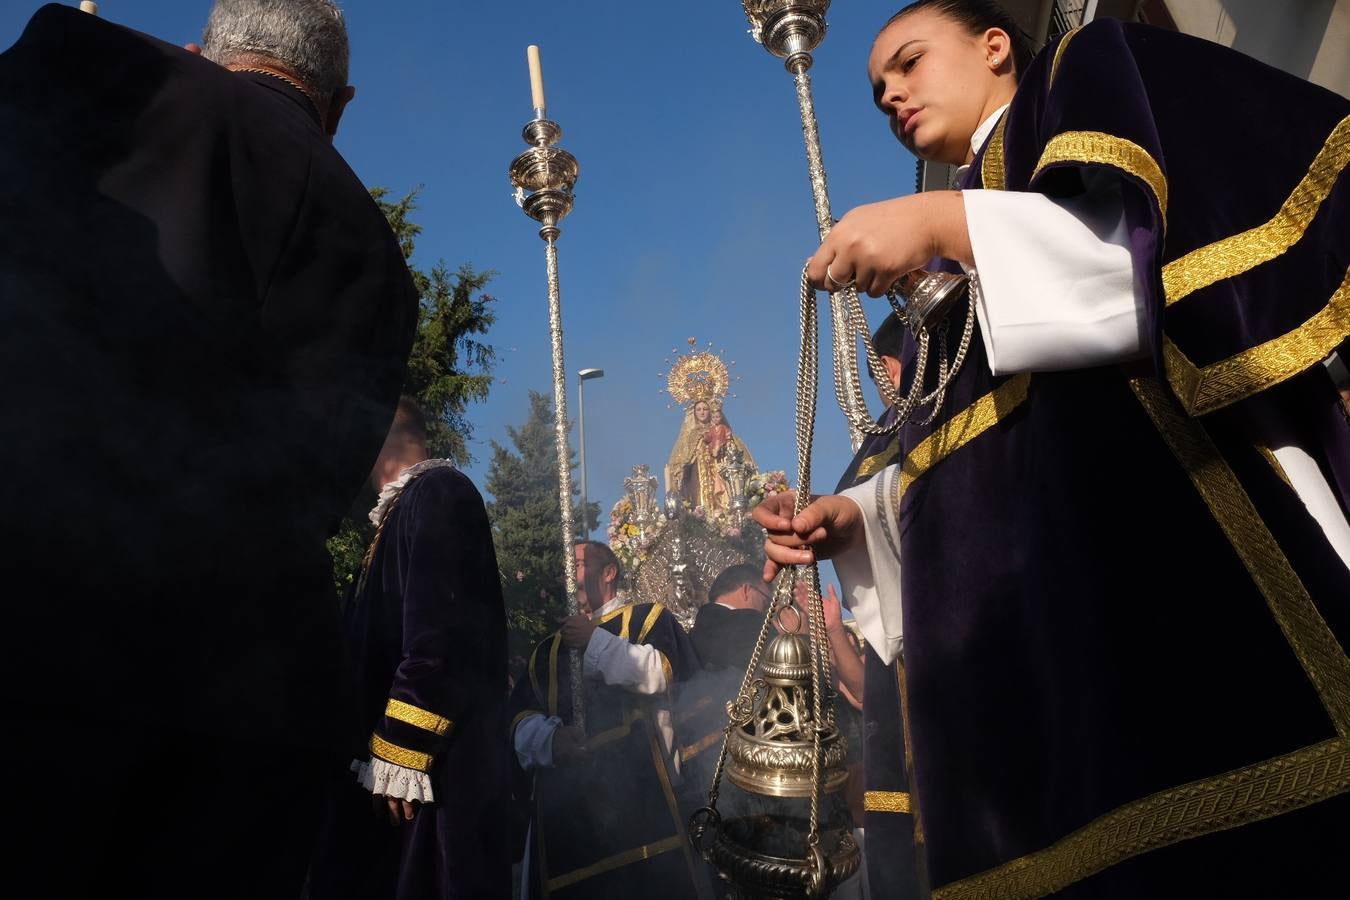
383,777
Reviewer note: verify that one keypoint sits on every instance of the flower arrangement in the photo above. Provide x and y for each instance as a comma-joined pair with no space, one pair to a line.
631,541
765,484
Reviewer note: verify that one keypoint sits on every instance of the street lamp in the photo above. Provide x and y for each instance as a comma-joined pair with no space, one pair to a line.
582,377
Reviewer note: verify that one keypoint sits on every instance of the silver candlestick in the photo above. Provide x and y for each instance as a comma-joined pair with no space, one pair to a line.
544,176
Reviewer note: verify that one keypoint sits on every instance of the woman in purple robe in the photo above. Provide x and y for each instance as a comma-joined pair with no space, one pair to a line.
1118,554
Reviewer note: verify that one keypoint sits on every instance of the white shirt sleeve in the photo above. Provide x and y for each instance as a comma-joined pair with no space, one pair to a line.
869,572
633,667
1056,283
533,741
1311,486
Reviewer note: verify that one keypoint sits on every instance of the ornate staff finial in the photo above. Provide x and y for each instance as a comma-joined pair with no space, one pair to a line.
543,177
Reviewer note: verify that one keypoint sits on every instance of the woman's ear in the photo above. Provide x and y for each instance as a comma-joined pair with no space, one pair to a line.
998,49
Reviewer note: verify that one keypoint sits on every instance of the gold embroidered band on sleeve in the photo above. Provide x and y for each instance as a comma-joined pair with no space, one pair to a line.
1059,51
1241,252
1318,652
1203,390
962,428
649,622
1097,148
992,176
399,756
1240,797
417,717
665,667
886,801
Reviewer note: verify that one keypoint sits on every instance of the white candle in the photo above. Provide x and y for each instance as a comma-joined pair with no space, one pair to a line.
536,76
89,6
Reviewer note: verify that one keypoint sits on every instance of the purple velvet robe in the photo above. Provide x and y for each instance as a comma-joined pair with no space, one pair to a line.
1124,634
427,633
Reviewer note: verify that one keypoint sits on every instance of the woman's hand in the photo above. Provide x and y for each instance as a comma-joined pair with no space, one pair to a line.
876,244
827,526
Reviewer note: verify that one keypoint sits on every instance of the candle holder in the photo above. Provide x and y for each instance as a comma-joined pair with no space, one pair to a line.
543,177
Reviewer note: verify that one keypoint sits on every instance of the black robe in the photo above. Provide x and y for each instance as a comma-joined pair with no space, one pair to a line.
204,326
427,638
1124,634
609,824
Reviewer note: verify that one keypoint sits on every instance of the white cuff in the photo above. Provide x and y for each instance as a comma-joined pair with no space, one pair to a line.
380,776
533,741
1056,280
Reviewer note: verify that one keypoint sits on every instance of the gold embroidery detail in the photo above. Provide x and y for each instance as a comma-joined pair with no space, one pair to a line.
886,801
1269,456
1240,797
1107,150
689,751
1318,652
614,613
399,756
1059,51
962,428
665,667
616,861
1203,390
553,675
992,176
877,461
418,717
1241,252
650,621
626,623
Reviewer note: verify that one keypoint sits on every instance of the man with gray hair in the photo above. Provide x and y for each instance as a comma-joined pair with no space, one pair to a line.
204,329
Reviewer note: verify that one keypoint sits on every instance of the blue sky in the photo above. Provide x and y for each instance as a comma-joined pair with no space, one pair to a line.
693,211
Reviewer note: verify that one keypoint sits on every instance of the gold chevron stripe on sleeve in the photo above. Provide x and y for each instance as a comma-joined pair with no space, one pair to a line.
1205,389
1237,254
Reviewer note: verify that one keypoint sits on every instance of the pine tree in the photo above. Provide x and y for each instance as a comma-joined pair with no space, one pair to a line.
449,368
525,525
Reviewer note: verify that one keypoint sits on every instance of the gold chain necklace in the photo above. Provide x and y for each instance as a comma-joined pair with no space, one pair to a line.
292,82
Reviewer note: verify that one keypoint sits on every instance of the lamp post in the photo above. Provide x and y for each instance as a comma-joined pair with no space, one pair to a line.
582,377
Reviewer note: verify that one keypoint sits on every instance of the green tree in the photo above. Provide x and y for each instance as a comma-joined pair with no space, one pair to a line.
525,519
449,368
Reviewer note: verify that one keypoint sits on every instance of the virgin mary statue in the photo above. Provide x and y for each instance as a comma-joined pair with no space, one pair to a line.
704,445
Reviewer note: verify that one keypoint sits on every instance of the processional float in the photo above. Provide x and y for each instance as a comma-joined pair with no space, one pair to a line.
544,176
781,739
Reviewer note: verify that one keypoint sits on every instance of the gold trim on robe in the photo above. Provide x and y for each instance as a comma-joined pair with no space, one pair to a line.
424,719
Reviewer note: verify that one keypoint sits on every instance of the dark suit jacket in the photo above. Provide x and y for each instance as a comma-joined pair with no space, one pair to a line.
204,327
